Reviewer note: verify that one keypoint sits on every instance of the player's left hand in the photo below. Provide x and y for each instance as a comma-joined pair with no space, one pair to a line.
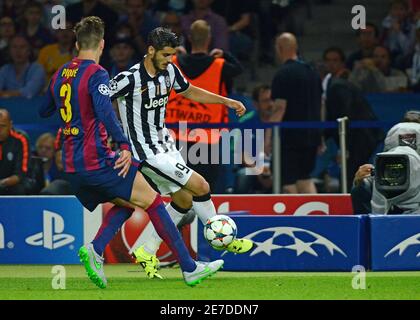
123,162
237,106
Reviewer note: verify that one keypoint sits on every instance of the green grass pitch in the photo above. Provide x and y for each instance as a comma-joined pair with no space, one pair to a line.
128,282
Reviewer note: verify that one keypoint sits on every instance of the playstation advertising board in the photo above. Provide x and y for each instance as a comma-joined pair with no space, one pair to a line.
324,243
41,230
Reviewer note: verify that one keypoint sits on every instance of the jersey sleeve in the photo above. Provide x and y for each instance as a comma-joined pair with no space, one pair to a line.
121,85
99,90
180,83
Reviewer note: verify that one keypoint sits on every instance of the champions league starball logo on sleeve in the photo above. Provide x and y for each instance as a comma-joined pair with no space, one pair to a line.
297,244
113,85
103,89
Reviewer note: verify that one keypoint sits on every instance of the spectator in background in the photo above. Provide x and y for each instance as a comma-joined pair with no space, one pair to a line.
32,28
141,21
21,78
202,11
49,151
210,71
75,12
335,59
122,56
395,80
414,71
264,112
53,56
326,171
239,19
367,40
44,147
376,75
12,8
179,6
7,32
296,91
399,32
172,21
342,99
14,157
123,30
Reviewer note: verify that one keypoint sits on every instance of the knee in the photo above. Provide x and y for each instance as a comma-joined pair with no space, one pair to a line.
203,188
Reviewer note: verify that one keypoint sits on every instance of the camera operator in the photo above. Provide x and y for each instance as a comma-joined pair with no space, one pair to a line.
404,134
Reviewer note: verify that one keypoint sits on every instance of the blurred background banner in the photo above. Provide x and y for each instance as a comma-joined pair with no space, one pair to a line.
298,205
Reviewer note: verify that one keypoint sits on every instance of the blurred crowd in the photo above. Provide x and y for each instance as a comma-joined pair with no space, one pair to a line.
243,32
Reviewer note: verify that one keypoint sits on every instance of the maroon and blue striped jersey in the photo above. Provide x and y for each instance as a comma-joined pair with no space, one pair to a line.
79,91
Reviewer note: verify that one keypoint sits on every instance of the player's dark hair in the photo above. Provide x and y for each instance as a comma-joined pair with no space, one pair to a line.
257,91
160,38
337,50
89,32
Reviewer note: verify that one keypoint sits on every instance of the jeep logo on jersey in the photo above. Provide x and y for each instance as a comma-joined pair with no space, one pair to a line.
1,236
154,103
52,236
403,245
297,244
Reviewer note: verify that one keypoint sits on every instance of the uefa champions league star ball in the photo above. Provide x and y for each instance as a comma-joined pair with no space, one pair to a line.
220,231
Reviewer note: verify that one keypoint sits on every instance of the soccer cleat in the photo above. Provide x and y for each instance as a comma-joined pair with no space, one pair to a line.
202,271
94,265
149,262
240,246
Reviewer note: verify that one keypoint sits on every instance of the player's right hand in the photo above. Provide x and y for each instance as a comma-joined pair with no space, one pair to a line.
123,162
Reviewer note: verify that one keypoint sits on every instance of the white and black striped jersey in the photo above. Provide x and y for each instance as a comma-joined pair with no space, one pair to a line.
142,101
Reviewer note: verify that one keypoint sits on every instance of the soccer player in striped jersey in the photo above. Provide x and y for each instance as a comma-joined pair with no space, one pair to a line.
142,94
79,89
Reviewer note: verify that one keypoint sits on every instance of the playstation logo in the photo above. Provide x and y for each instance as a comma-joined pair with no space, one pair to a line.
1,236
52,236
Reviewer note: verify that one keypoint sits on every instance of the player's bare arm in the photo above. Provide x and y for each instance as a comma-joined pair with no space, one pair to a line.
204,96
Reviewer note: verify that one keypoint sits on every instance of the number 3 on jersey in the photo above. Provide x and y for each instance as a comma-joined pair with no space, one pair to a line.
65,110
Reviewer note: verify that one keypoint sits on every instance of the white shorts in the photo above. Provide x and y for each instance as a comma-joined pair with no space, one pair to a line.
167,171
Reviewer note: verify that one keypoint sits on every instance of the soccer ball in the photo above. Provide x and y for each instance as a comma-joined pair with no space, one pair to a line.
220,231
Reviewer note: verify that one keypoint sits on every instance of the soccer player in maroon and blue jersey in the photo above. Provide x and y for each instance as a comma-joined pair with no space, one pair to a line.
79,89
